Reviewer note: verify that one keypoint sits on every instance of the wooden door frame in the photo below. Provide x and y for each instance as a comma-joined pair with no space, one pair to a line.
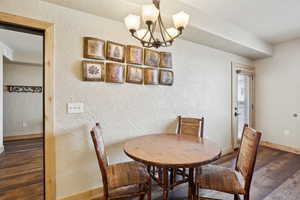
243,67
49,140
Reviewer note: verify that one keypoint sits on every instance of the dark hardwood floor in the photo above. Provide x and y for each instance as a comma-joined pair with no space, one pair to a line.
21,170
276,177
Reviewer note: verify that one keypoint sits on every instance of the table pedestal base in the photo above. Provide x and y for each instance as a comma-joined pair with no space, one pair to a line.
163,181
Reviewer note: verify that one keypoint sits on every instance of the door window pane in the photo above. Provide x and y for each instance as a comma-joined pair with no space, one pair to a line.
243,103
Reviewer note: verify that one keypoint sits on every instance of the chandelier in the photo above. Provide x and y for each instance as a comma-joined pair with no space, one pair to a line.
155,34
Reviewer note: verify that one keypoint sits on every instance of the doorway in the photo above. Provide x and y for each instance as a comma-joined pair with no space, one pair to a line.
242,100
22,162
29,24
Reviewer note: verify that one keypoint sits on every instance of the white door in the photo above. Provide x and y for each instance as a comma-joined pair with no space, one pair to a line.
242,100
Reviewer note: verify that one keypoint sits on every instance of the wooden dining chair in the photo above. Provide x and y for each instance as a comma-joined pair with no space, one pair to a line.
186,126
234,181
123,180
190,126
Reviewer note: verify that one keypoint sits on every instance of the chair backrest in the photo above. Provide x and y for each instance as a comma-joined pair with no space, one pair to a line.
101,154
190,126
246,158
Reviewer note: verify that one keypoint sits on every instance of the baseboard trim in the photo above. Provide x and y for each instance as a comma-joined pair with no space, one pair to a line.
92,194
23,137
280,147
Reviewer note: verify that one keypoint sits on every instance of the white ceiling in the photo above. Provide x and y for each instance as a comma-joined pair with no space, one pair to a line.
25,46
274,21
203,29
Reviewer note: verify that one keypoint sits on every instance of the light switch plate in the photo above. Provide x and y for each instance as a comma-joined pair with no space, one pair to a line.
74,108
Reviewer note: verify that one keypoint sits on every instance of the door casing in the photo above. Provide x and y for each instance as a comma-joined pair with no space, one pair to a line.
49,140
243,69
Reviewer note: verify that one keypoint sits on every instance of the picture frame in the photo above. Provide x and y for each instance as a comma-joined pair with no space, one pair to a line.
134,55
93,71
134,74
115,72
151,58
165,60
115,51
151,76
166,77
94,48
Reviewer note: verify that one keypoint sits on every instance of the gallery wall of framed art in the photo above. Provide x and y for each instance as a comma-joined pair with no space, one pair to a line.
112,62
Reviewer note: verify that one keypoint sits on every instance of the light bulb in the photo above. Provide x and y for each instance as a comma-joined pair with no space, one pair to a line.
150,13
132,22
172,32
143,35
181,20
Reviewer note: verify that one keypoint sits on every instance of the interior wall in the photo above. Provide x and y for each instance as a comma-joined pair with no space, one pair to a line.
23,112
277,95
201,88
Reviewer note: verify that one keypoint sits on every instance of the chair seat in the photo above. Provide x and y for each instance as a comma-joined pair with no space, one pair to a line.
221,179
125,174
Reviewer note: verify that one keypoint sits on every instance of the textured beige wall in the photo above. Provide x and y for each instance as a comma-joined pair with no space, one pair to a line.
23,112
277,95
201,88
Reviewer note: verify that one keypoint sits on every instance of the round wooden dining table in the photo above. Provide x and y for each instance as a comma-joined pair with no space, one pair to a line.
172,151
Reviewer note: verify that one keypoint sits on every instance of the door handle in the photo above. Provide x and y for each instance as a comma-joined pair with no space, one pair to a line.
236,114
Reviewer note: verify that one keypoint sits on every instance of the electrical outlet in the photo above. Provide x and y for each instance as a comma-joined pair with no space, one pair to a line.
75,108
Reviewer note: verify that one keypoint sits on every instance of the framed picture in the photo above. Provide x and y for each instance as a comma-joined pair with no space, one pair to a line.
165,59
134,55
115,51
166,77
152,58
134,74
151,76
115,73
93,71
94,48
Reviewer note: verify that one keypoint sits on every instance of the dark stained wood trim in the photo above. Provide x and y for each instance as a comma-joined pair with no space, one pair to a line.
23,137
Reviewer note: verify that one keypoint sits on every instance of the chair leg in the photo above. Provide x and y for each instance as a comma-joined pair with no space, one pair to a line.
236,197
142,197
183,173
172,176
149,190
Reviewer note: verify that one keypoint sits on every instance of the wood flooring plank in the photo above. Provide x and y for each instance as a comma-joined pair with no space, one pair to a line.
27,192
271,176
21,180
14,159
290,189
22,171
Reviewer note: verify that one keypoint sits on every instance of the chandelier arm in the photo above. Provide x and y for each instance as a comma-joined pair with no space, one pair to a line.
156,3
151,33
180,32
133,35
165,30
161,29
145,35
